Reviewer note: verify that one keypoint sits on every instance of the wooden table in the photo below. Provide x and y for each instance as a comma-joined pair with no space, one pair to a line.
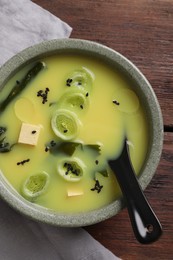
142,30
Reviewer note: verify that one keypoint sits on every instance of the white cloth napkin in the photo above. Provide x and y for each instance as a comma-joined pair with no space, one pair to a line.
24,239
22,24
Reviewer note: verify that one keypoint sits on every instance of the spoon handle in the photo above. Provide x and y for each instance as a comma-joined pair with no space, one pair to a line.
146,225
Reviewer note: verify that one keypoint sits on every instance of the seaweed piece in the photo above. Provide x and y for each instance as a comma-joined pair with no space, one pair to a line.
20,85
69,147
94,147
104,173
5,149
2,130
4,146
66,147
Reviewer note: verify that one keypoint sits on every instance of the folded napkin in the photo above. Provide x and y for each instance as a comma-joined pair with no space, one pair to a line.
21,238
22,24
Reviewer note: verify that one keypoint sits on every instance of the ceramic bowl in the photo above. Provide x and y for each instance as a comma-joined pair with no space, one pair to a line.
143,90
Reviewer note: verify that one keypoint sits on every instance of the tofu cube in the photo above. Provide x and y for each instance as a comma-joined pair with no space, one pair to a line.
72,193
29,134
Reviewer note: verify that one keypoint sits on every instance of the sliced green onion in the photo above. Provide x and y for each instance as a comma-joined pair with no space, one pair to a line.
65,124
35,185
71,169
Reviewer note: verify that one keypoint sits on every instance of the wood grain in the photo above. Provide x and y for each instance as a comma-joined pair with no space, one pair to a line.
142,30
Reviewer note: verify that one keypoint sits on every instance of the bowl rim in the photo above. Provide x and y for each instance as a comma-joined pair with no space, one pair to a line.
34,52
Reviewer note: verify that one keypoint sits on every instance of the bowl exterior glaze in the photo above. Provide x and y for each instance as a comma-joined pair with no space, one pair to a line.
144,91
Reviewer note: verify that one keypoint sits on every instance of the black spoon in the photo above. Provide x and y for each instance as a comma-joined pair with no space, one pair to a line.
146,225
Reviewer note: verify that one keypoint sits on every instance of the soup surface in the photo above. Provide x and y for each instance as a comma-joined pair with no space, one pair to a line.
61,119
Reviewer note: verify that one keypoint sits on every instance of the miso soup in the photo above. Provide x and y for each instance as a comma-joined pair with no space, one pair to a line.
61,119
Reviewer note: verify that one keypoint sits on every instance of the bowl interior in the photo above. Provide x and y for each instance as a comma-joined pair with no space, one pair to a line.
141,87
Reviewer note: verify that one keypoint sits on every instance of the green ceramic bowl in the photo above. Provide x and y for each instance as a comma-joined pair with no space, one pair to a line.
142,88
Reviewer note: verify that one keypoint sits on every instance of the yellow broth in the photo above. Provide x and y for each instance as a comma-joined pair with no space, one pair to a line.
105,122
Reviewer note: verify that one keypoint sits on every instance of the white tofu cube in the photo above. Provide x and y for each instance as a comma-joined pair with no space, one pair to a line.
29,134
72,193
